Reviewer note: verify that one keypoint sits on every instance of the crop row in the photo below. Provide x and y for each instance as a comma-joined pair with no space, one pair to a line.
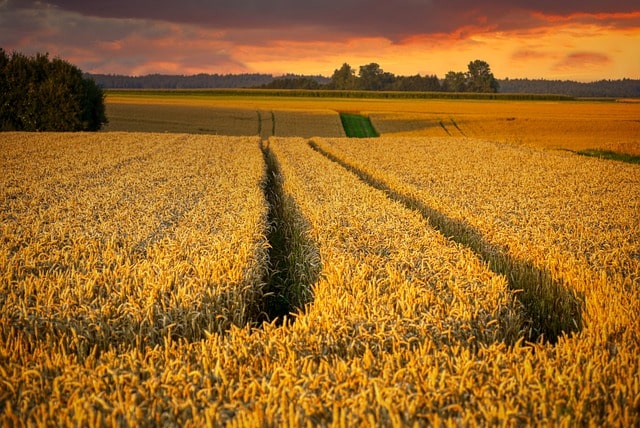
564,230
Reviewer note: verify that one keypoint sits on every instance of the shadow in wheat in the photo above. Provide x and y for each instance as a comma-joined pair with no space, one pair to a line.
294,260
551,308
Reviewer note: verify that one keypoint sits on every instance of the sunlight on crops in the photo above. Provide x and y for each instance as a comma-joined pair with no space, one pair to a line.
107,235
576,218
554,125
571,125
134,267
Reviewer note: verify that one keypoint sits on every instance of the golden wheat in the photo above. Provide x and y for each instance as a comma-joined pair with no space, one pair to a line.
405,327
134,233
574,219
556,125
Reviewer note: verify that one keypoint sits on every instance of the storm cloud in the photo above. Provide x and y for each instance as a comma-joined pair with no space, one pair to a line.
190,36
369,18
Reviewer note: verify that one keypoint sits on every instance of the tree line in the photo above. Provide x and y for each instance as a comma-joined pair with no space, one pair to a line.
478,78
623,88
39,94
371,77
196,81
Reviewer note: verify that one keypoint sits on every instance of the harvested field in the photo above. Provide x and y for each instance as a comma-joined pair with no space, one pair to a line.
312,123
551,125
223,121
181,119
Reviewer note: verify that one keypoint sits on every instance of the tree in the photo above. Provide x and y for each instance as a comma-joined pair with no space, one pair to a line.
373,78
42,95
343,78
455,81
480,78
4,88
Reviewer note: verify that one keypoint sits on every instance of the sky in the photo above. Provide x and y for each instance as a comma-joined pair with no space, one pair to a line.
584,40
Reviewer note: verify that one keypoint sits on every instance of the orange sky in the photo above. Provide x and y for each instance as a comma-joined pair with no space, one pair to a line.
585,43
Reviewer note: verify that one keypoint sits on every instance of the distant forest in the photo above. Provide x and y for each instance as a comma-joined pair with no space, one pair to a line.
625,88
197,81
371,78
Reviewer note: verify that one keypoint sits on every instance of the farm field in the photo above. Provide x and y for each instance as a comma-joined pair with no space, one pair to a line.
570,125
235,116
425,280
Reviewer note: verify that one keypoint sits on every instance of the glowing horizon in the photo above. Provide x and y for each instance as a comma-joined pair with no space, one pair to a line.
577,42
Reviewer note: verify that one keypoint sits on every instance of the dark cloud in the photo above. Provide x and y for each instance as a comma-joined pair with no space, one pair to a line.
230,36
394,20
130,46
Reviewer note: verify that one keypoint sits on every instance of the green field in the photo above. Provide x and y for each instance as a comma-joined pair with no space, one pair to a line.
357,126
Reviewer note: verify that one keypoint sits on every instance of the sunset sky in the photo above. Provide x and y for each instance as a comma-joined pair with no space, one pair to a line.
555,39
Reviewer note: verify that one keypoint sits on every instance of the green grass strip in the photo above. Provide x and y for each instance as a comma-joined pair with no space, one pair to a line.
607,154
357,126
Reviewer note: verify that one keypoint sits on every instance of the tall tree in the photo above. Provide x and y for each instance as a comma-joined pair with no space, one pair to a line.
373,78
4,89
455,81
480,78
343,79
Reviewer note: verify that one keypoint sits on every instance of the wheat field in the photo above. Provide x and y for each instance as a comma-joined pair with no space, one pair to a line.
430,281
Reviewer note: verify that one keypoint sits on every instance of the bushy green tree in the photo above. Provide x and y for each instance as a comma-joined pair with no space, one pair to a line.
373,78
343,78
38,94
455,81
480,78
